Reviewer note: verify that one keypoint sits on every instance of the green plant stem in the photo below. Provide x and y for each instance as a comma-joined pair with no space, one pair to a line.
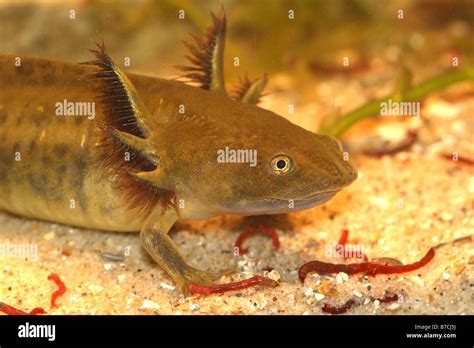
414,93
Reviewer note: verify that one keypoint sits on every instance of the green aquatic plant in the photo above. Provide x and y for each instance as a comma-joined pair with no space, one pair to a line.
337,125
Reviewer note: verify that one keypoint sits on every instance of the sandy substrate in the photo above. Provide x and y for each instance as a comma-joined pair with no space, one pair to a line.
399,207
423,202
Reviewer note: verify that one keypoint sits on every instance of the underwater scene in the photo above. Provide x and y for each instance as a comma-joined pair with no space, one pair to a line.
237,157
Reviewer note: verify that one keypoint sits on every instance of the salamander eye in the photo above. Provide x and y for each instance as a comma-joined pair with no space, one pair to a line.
281,164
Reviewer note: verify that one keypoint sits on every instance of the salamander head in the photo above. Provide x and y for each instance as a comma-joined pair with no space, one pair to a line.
260,163
222,156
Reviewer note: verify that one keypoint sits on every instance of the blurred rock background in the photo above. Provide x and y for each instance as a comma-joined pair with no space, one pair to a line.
300,54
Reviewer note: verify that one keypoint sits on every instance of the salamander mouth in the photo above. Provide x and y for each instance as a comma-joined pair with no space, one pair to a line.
314,199
317,197
281,206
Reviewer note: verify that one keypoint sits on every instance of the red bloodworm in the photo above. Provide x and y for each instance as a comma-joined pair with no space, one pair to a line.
220,288
327,308
7,309
61,288
388,298
460,159
37,310
343,238
363,267
253,230
342,245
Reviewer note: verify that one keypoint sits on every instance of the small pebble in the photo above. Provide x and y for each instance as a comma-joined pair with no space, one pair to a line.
67,251
446,216
471,184
107,266
419,281
263,304
194,306
357,293
342,277
313,280
308,292
459,268
426,225
393,306
319,296
379,201
94,288
446,276
111,256
326,288
167,286
121,278
274,275
49,236
147,304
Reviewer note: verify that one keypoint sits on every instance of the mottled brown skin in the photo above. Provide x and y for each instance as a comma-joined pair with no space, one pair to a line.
58,160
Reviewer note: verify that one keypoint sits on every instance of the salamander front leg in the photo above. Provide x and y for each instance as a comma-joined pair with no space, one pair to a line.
156,241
